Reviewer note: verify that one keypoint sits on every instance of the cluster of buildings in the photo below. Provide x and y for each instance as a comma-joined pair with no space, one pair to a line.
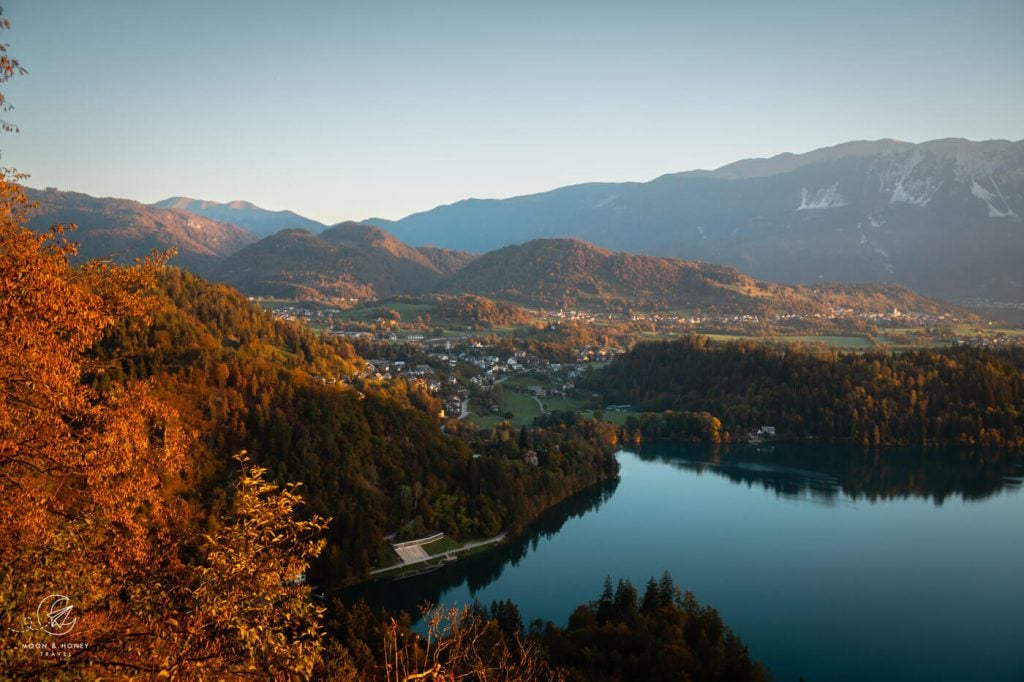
894,316
303,314
454,370
982,340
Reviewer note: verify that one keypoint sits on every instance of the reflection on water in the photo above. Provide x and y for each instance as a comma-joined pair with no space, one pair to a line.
479,570
868,581
824,473
821,474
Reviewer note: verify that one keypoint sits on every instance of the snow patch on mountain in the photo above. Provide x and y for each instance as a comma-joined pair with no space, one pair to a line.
915,192
905,185
828,197
988,197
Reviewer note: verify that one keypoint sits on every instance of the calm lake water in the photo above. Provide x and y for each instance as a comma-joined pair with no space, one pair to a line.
830,563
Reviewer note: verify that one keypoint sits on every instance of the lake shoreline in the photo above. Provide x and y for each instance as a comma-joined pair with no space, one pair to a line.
799,548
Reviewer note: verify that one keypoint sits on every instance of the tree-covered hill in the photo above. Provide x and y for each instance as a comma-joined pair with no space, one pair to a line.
348,260
371,456
575,274
964,395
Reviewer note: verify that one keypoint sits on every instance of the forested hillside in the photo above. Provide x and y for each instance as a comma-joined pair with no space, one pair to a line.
122,230
348,260
961,395
370,455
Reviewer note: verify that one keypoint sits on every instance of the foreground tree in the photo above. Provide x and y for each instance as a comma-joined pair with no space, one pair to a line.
90,503
85,478
249,602
461,644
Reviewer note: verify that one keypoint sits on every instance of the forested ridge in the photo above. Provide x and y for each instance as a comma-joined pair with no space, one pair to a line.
371,455
961,395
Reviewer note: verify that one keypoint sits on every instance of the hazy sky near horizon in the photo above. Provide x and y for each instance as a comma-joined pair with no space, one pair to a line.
346,110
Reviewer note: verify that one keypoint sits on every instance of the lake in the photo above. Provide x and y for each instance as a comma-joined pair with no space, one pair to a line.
831,563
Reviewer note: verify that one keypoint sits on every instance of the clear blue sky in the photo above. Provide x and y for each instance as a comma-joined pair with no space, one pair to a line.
343,110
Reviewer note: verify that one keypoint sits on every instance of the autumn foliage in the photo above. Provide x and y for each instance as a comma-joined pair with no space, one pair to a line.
90,503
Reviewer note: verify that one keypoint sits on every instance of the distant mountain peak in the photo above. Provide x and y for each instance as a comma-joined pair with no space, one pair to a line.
354,228
259,221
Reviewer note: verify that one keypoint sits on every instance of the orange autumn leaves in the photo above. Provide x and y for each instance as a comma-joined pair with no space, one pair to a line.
89,494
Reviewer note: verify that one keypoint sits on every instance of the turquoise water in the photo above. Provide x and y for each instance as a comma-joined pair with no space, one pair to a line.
831,563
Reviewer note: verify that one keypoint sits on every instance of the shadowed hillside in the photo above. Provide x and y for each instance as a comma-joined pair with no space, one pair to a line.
349,260
123,230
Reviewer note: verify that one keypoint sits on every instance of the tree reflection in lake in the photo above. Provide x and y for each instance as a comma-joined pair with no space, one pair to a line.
479,570
822,473
930,537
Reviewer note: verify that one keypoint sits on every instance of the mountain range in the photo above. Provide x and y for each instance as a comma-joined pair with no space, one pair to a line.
354,260
941,217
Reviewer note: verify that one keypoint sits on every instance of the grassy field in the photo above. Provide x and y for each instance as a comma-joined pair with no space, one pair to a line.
369,313
562,404
523,406
272,303
484,421
440,546
524,380
841,342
